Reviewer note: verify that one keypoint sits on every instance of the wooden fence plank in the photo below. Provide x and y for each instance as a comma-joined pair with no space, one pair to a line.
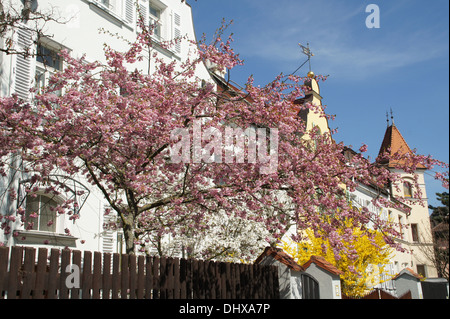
97,276
107,277
156,278
210,275
41,271
170,277
195,280
14,271
115,285
65,262
237,280
28,273
189,280
163,273
223,281
86,278
125,282
132,276
53,277
183,278
201,279
76,261
176,279
217,278
140,285
4,262
148,278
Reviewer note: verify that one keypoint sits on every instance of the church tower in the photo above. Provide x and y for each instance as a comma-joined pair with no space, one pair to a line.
312,96
417,231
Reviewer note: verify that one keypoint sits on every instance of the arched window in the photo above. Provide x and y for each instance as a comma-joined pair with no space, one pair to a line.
40,213
407,189
310,287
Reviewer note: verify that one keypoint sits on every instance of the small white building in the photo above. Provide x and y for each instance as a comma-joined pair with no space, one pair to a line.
316,279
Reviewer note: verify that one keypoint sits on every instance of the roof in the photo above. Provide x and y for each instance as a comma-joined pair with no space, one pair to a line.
394,142
279,255
408,271
324,264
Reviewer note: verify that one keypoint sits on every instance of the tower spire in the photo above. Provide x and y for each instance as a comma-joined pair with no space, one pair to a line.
392,117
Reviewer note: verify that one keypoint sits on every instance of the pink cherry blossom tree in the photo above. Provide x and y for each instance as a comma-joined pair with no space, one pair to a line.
115,127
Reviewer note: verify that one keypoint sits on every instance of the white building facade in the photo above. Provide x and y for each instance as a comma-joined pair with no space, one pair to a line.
83,28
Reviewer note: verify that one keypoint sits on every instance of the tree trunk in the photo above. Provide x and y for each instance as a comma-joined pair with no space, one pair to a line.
128,231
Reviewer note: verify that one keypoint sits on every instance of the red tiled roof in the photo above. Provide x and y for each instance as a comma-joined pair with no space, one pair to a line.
394,142
412,272
279,255
324,264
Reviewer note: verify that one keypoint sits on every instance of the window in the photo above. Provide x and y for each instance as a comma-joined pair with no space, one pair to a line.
310,287
48,57
155,21
40,213
48,61
112,6
407,189
415,232
421,270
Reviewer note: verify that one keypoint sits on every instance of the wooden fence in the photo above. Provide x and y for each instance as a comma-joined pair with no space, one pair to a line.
27,273
379,294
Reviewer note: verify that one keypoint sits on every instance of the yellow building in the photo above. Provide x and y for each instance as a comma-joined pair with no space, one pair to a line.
414,226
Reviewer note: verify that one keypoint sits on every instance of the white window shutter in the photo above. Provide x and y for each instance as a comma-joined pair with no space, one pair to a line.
143,10
177,31
108,233
24,65
129,11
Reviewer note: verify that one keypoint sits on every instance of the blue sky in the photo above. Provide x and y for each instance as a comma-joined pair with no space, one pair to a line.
403,65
